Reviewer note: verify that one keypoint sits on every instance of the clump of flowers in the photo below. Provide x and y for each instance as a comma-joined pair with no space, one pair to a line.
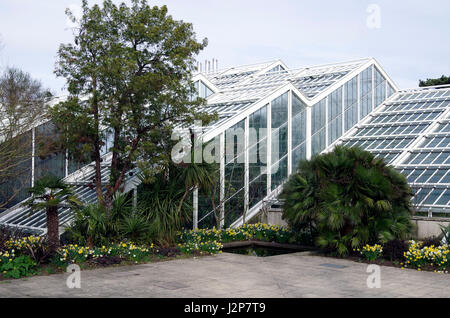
7,256
259,231
25,244
371,252
125,250
15,261
74,254
418,256
209,247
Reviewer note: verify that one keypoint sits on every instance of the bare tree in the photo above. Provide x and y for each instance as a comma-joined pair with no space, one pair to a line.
22,104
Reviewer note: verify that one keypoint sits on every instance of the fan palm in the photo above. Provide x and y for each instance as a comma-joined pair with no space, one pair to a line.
49,193
348,198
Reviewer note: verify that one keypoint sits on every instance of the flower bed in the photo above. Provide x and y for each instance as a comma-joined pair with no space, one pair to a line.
436,257
29,255
126,251
430,258
247,232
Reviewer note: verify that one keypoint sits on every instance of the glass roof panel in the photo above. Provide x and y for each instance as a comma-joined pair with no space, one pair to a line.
417,123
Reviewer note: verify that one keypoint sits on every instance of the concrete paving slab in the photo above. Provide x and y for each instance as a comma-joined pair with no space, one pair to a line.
232,275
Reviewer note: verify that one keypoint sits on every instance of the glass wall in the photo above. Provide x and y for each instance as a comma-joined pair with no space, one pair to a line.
257,156
204,91
279,139
207,207
298,131
380,88
318,122
351,103
334,115
49,159
366,92
234,172
15,163
390,90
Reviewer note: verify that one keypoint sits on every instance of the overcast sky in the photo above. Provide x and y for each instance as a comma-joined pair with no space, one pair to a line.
410,40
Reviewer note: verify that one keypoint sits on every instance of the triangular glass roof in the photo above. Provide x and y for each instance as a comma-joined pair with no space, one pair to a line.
412,132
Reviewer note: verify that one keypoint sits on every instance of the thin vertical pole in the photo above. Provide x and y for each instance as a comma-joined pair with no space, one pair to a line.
289,133
135,199
308,132
33,154
195,211
269,148
222,179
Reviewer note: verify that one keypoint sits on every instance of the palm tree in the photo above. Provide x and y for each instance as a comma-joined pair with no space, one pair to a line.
48,194
347,198
194,175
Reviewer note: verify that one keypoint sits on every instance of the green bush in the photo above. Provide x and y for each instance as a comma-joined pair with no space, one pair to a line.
18,267
348,198
159,201
394,250
94,226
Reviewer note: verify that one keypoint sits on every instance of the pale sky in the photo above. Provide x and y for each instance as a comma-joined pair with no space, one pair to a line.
411,43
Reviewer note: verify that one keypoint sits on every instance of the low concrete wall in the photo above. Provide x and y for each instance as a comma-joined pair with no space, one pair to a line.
429,227
274,217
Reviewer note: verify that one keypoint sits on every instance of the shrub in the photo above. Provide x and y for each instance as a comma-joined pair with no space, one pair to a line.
431,241
7,234
159,201
446,234
348,198
395,249
33,246
17,267
94,226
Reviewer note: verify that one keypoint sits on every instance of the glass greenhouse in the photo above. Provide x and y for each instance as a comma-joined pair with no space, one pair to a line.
412,132
294,114
284,116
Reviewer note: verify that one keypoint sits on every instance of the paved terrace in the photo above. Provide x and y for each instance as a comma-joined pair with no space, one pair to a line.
231,275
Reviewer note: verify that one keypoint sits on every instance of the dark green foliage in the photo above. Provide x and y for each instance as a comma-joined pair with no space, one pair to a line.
48,193
435,81
394,249
93,226
21,266
446,233
160,200
6,234
431,241
347,198
128,72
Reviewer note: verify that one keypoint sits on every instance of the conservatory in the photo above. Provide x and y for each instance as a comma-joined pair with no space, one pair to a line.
270,118
411,131
286,115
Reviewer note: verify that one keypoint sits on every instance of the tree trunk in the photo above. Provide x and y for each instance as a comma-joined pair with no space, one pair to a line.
97,157
53,228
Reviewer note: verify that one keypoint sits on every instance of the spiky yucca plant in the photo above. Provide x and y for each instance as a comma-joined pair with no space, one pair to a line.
348,198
